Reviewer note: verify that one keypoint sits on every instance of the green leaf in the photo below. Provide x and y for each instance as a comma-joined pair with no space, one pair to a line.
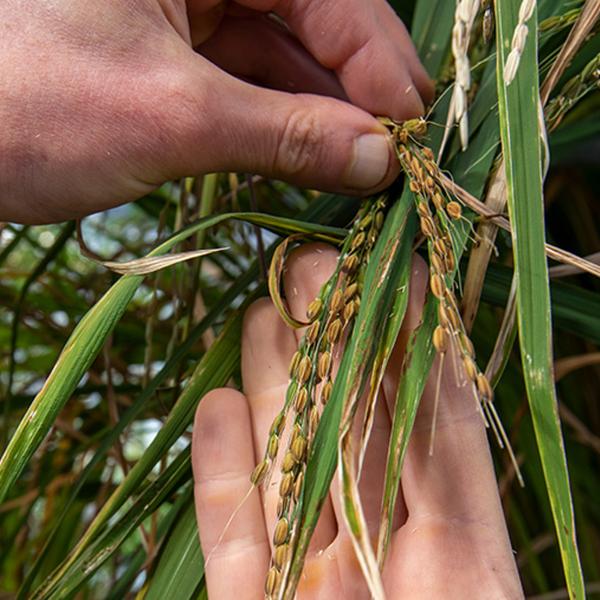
521,133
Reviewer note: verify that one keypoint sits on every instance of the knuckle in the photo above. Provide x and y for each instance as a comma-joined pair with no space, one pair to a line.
300,143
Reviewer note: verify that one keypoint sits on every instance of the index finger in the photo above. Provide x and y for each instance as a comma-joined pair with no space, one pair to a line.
367,46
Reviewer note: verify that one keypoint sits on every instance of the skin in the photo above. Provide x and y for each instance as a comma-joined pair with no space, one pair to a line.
101,102
450,538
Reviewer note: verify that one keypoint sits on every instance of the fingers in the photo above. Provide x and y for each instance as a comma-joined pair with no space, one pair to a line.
366,44
258,49
222,459
215,122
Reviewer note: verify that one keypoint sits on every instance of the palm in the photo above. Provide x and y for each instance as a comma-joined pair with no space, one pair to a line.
450,538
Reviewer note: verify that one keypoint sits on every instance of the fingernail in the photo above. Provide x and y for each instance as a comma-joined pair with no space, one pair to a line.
370,161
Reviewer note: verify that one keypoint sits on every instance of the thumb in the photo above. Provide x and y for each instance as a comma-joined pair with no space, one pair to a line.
308,140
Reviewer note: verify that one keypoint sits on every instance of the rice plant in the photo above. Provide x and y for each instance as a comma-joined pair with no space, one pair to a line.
113,329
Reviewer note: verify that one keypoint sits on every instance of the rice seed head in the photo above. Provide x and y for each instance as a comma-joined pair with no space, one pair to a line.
450,263
350,291
453,315
259,473
414,186
301,399
289,462
334,331
470,368
273,447
298,448
313,419
440,246
272,581
314,309
303,370
358,240
423,210
337,301
281,531
312,333
427,227
437,285
454,209
484,388
349,310
298,486
379,219
278,425
438,263
350,264
296,358
466,344
440,339
323,365
326,391
286,485
365,221
280,556
438,201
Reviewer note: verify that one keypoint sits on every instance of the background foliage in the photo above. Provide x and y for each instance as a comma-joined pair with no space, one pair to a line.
111,474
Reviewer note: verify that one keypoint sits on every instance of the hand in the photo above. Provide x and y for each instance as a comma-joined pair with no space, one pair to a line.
450,539
101,102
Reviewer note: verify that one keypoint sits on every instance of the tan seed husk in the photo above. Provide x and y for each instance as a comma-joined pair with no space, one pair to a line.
272,582
295,362
358,240
313,419
470,368
438,263
440,339
427,227
326,392
467,345
281,531
454,318
289,462
280,556
303,370
298,448
350,291
334,331
440,247
282,506
323,365
337,301
312,333
413,186
259,473
298,486
437,285
484,388
301,399
438,201
349,311
454,209
278,425
450,264
314,309
350,264
423,210
273,447
286,485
